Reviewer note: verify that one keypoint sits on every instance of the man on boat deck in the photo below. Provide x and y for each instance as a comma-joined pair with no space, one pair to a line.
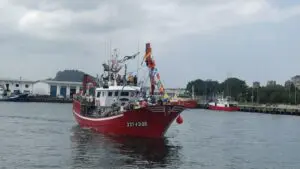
143,102
119,79
135,80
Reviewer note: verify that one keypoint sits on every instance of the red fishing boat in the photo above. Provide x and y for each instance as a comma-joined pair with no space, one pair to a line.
116,106
186,102
185,99
223,104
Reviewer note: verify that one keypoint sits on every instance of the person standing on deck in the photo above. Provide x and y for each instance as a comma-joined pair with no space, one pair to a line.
135,80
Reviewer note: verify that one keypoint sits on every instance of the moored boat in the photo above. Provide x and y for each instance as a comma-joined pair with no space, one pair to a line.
116,106
185,101
223,104
13,97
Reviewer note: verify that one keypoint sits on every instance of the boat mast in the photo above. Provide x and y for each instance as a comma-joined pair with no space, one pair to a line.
105,52
227,84
125,73
193,96
113,66
114,73
21,85
110,63
137,63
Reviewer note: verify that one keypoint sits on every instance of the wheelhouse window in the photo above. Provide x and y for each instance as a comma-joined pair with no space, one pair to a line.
103,93
124,93
109,93
116,93
98,94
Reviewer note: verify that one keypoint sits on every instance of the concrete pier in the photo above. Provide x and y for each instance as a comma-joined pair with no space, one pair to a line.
41,99
283,110
266,109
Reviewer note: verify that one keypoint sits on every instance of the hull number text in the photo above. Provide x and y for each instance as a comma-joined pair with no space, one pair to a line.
137,124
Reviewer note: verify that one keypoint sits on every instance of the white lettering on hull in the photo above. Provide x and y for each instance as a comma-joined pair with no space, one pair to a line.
137,124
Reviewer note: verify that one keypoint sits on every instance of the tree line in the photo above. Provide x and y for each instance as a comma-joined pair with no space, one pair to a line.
241,92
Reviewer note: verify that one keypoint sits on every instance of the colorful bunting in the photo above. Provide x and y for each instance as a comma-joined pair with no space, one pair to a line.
153,71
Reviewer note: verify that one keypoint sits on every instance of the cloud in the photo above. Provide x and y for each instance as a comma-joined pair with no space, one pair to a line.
47,25
69,28
148,19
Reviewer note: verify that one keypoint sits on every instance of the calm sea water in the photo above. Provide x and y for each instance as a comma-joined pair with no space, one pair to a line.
38,135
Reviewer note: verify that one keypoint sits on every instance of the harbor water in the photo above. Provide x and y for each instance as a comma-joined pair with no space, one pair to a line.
45,135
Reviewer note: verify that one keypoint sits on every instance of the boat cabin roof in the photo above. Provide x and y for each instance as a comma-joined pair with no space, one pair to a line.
117,88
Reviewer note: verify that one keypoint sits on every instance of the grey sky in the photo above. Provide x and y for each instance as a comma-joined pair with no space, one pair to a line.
208,39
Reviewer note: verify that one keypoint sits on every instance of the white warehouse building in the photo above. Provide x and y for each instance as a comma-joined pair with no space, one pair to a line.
43,87
14,85
56,88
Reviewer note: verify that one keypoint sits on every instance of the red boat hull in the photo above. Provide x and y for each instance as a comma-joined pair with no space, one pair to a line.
152,121
186,103
219,108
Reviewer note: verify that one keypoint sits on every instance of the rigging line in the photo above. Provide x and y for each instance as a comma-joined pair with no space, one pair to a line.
138,58
146,78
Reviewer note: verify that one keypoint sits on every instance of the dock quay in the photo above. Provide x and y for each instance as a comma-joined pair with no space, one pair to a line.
265,109
272,109
40,99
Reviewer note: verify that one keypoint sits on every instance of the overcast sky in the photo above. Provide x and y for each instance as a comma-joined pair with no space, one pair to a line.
207,39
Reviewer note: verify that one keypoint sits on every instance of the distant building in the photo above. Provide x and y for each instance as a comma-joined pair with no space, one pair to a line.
43,87
60,88
17,85
256,84
56,88
271,83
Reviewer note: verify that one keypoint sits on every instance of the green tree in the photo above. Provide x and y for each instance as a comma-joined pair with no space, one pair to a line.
234,87
202,87
238,89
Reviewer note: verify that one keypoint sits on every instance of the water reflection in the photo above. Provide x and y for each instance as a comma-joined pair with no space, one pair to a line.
91,150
